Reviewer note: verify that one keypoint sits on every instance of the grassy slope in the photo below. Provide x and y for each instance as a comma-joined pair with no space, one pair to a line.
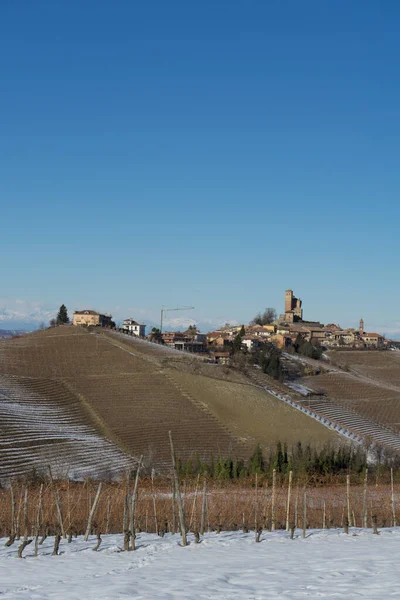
136,393
252,413
249,413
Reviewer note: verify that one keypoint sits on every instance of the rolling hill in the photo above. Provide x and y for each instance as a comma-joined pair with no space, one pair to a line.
90,403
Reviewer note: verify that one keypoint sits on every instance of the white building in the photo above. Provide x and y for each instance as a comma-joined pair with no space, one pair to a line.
252,342
134,327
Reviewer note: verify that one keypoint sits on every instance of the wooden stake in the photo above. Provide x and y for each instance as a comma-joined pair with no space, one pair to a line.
125,524
288,500
17,529
304,512
68,508
26,514
125,527
273,500
93,510
173,507
365,500
194,502
256,508
178,493
57,503
208,515
203,507
393,503
133,505
12,534
296,507
348,499
39,509
266,503
108,516
154,501
324,517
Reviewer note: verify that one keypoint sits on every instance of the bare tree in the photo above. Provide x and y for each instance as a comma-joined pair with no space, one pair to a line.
265,318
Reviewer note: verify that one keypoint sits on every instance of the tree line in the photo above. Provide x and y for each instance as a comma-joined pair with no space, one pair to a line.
322,463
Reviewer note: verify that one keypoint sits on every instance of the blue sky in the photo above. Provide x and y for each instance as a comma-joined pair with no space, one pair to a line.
206,153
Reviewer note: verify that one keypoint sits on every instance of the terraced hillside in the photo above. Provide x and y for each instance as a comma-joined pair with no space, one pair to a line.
377,365
375,402
42,423
64,386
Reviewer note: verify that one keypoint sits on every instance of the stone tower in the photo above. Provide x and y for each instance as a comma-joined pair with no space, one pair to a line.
293,310
288,300
361,326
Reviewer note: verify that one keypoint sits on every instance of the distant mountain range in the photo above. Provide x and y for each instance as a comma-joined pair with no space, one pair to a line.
8,333
25,321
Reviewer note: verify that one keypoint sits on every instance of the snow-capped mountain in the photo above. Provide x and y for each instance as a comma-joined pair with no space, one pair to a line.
25,317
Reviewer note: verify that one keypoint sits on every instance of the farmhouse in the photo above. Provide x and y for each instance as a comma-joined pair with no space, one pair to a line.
91,317
138,329
189,341
373,340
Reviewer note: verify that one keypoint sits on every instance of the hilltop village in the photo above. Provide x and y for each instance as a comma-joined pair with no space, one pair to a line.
285,332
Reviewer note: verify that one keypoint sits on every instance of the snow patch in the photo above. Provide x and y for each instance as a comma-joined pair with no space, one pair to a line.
326,564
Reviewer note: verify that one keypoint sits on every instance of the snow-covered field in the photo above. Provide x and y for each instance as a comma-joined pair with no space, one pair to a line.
326,564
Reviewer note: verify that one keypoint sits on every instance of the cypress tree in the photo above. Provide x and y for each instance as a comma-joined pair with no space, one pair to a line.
197,464
279,458
256,462
237,342
189,468
62,316
211,469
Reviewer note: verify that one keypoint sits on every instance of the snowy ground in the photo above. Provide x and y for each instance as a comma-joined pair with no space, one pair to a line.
327,564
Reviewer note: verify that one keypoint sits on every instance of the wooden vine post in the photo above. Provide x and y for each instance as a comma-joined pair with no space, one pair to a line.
348,499
133,505
256,508
273,500
92,511
178,493
203,507
392,498
365,500
57,503
192,522
125,523
26,532
154,501
288,500
39,510
12,532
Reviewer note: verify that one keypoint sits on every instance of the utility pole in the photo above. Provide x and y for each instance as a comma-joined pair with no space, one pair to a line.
164,310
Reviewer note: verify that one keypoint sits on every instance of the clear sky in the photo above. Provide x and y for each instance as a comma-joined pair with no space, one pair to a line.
208,153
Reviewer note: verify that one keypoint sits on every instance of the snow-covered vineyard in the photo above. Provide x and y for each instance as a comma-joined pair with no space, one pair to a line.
230,565
36,430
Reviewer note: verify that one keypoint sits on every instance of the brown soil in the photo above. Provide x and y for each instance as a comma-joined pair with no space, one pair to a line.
133,393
